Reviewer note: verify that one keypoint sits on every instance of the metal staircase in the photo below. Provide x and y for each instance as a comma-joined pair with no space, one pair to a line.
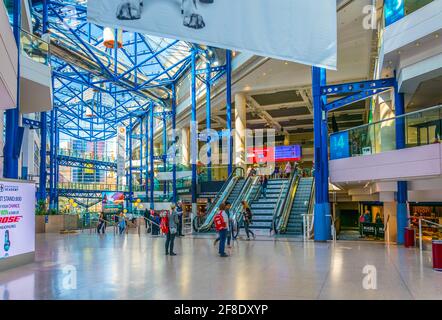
300,207
263,209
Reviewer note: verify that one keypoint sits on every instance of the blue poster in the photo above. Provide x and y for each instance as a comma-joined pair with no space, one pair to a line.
394,11
339,146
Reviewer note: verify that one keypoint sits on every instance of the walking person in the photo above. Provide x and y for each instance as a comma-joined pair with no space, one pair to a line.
264,183
222,226
288,169
122,224
172,224
101,227
227,206
179,210
247,216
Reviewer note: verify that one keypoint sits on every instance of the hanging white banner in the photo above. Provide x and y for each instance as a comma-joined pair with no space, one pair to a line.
296,30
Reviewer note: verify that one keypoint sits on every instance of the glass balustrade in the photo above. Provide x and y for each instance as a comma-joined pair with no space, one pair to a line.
421,128
34,48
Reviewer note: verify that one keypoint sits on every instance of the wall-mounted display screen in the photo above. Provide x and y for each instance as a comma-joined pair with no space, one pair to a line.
17,218
112,202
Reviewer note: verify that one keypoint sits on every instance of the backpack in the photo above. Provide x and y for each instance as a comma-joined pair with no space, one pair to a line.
220,224
164,225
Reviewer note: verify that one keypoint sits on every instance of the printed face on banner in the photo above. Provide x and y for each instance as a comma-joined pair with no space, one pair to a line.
294,30
17,218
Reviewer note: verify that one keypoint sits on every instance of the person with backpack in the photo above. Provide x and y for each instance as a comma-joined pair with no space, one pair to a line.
230,235
169,226
221,221
247,216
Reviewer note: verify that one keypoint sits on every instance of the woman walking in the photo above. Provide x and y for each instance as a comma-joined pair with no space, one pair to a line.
247,216
101,223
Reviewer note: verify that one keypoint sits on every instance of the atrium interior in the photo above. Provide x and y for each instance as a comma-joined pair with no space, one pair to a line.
333,165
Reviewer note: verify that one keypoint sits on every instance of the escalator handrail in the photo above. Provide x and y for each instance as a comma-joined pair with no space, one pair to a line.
223,188
282,219
243,196
218,197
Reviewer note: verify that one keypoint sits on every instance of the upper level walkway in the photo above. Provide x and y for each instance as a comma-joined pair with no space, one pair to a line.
368,153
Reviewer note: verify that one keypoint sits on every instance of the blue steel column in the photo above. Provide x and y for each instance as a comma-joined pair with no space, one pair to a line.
174,186
193,126
151,156
321,229
43,125
56,168
402,188
141,151
146,122
10,167
51,159
165,184
324,156
130,165
229,109
208,122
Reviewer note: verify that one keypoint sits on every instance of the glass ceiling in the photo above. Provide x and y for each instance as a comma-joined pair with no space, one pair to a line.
97,89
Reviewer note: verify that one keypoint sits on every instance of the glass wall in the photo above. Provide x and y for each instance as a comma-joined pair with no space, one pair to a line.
421,128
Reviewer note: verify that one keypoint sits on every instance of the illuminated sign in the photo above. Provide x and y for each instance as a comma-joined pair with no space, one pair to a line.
17,218
339,146
394,11
112,201
263,155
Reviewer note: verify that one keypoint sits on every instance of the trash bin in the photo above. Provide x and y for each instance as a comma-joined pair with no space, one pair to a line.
437,255
410,237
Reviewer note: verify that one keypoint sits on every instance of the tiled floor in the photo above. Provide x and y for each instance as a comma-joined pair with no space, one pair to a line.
86,266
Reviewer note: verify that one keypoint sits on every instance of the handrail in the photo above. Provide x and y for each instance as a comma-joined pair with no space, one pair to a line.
420,230
277,212
285,214
248,185
227,186
391,119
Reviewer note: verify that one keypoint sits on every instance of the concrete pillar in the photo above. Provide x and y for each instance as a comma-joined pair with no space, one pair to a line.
185,146
240,130
390,215
216,161
384,133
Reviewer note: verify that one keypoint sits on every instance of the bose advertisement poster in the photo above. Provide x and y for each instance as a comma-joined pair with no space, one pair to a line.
17,218
282,29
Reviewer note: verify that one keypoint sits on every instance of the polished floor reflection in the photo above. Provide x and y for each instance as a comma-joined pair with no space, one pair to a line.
88,266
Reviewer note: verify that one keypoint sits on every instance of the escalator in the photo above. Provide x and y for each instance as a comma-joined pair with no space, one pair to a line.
302,202
232,188
266,209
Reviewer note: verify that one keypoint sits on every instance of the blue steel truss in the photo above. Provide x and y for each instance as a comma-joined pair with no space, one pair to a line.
68,161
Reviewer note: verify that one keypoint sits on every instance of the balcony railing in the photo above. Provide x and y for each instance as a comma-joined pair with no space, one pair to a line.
394,10
421,128
85,155
34,48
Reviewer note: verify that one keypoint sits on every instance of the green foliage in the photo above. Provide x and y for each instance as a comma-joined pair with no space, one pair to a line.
41,210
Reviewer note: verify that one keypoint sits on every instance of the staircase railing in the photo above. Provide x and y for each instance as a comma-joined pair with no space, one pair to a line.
220,197
309,218
281,223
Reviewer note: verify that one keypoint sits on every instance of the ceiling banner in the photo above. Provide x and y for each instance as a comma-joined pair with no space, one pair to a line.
293,30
